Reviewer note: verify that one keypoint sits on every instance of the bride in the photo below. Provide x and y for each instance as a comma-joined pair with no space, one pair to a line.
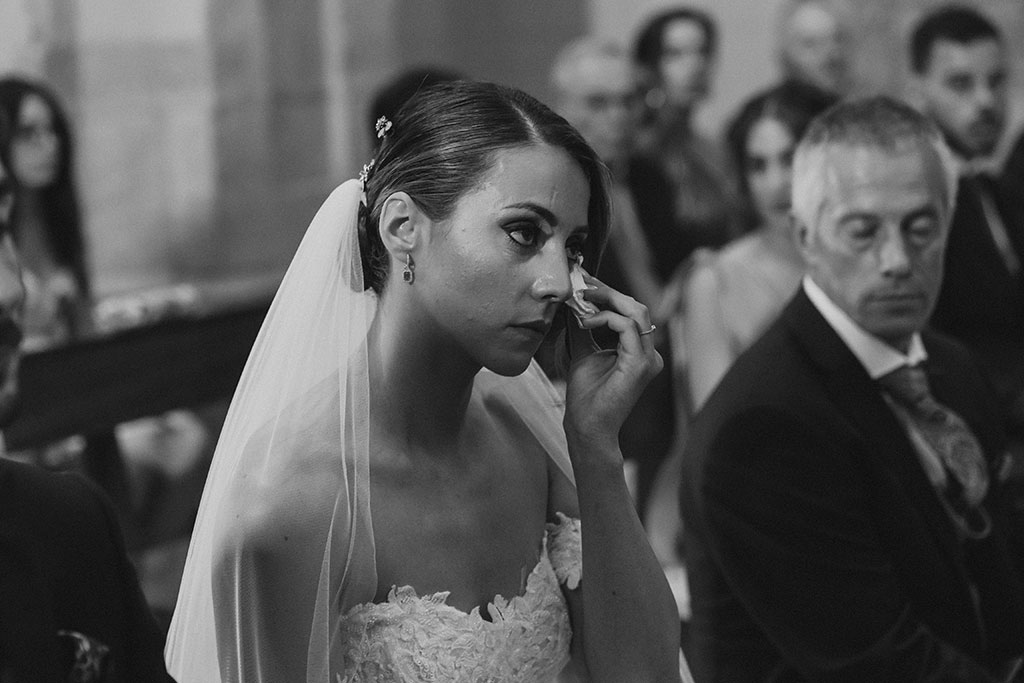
398,492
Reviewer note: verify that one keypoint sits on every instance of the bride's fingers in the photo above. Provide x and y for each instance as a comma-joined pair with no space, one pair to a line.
613,300
578,339
631,343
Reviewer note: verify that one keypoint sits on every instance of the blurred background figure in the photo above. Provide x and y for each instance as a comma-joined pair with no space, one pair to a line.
595,90
733,295
135,459
1011,177
675,53
960,68
70,603
814,44
726,299
46,225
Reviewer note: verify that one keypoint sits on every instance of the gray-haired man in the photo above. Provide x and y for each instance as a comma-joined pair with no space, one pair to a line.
844,513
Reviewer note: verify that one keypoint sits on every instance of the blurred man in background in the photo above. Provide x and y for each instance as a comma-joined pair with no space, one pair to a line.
960,68
814,44
596,90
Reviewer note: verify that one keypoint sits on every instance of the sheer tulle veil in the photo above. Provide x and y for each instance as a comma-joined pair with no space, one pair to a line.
283,542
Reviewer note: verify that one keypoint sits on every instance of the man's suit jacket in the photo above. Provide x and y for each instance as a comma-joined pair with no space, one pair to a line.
1011,178
817,549
981,302
63,566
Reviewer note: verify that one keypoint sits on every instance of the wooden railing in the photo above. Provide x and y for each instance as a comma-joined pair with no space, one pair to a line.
91,385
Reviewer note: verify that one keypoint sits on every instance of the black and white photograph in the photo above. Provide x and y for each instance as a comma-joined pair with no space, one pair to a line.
480,341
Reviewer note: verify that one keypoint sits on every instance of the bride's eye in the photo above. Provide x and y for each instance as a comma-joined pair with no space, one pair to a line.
524,235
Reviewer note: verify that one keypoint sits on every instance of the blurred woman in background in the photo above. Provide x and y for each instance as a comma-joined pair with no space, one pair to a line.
48,229
675,55
46,224
732,295
721,301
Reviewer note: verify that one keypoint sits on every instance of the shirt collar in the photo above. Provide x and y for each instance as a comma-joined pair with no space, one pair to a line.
877,357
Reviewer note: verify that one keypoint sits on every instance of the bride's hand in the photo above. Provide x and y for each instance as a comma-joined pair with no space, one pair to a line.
603,385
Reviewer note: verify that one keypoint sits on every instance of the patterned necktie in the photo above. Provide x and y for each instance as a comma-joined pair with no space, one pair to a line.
951,438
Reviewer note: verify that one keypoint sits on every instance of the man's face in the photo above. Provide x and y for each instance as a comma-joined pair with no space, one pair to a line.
877,247
685,65
964,91
12,299
600,103
814,48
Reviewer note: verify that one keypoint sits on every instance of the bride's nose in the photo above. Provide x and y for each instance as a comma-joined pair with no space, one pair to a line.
551,278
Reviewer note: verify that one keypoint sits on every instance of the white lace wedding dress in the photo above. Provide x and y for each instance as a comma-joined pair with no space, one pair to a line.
413,639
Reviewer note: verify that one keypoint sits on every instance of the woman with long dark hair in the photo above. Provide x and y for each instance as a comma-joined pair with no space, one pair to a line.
47,223
733,294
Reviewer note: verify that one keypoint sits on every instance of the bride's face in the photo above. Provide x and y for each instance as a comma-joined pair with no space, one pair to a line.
494,274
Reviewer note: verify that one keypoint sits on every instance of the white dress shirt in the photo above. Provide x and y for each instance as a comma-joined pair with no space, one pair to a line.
879,358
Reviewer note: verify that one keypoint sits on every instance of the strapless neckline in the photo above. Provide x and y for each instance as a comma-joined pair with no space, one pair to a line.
494,608
411,638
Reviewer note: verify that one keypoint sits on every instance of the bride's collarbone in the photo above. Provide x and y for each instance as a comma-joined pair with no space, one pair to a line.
487,452
441,524
445,505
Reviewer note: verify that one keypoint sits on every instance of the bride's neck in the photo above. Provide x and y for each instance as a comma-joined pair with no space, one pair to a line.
419,386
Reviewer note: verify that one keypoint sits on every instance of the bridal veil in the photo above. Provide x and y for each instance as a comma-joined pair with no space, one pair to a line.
283,542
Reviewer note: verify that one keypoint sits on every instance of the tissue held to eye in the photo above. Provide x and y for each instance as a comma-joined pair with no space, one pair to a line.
580,306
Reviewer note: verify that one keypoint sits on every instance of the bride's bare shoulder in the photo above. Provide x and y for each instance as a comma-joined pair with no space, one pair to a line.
527,406
290,471
530,409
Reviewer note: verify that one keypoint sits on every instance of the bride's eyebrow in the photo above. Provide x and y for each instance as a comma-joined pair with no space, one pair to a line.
541,211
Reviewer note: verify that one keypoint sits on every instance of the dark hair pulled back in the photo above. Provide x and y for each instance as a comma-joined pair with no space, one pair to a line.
442,143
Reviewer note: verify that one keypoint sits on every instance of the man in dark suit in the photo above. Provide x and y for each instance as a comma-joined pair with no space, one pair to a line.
960,66
844,523
70,604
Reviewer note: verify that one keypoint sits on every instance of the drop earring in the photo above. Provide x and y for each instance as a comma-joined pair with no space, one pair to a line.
409,272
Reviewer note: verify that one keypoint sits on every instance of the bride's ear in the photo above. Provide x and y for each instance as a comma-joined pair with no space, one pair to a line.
401,224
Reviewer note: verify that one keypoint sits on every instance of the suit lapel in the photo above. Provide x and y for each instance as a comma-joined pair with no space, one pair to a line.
858,398
1008,213
975,233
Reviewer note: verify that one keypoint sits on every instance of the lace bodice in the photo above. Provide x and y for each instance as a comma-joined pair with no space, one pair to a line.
413,639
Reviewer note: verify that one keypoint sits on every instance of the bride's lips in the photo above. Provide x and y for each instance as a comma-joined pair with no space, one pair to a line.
540,326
